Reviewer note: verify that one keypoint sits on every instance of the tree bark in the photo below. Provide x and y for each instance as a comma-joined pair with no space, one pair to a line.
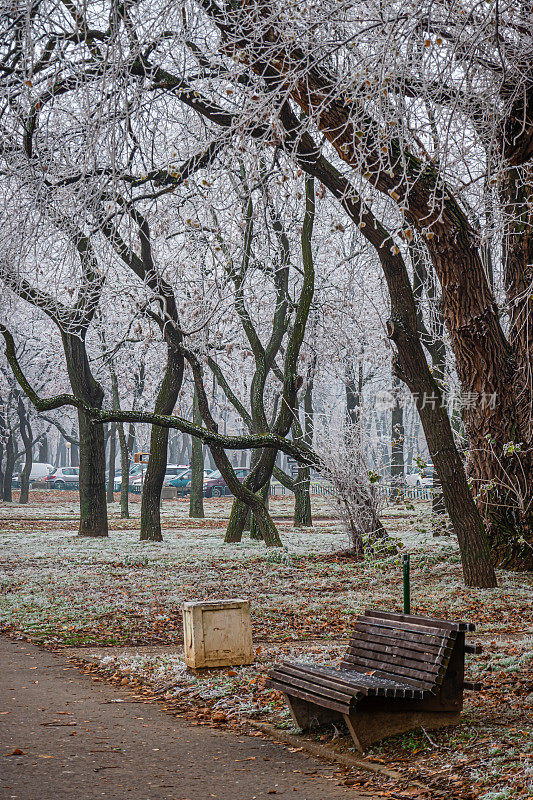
124,451
10,466
93,505
112,460
397,468
236,522
26,434
255,531
157,462
196,499
43,450
303,517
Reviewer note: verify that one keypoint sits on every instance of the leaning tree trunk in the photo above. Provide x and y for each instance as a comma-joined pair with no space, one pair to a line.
240,518
264,494
414,370
26,434
196,499
157,462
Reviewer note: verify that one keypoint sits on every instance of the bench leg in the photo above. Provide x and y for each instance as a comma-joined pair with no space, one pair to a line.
367,727
351,729
307,715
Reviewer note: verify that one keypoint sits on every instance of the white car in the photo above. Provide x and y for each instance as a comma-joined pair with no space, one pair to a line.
39,471
63,478
421,478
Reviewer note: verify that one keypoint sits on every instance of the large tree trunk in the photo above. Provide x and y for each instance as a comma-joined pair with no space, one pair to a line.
157,463
26,434
196,499
93,506
502,463
303,517
255,530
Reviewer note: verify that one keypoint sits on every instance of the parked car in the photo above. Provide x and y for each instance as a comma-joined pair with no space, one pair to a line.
39,471
173,471
63,477
135,471
183,481
138,471
420,478
215,485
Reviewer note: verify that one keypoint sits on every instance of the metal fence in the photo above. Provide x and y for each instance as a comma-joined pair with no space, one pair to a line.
324,490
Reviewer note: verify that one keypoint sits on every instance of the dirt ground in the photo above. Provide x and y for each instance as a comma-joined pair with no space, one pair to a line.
64,735
115,607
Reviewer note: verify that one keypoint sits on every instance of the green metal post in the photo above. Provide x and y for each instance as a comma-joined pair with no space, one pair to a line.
406,584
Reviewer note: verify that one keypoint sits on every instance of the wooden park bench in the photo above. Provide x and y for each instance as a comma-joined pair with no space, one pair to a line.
400,672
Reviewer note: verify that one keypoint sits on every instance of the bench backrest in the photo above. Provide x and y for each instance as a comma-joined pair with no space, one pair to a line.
402,647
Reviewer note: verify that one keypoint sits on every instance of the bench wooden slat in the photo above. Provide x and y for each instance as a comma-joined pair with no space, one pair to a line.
384,636
354,663
365,684
317,699
376,628
329,675
375,685
402,654
355,680
411,633
321,688
399,672
439,623
399,661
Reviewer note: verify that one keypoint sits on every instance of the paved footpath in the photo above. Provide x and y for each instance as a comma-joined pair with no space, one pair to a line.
83,740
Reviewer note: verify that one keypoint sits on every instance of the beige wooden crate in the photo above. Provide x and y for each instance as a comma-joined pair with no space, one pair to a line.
217,633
